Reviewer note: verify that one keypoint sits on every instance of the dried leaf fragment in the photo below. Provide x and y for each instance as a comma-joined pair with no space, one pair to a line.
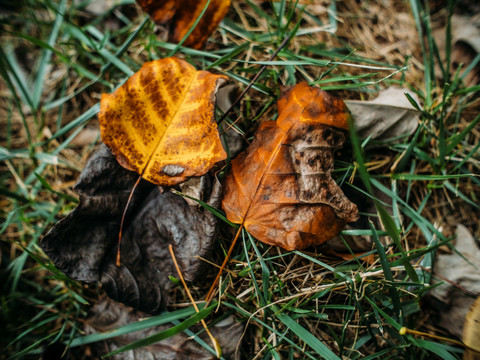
160,123
180,16
281,188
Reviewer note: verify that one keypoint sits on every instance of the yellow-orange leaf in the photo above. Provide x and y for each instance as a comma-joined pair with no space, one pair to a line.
180,16
161,123
281,188
471,332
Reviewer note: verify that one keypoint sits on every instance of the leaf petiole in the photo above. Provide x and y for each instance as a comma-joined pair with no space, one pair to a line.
117,261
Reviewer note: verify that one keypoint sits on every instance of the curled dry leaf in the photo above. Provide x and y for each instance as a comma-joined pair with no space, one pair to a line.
467,29
181,15
83,245
161,122
387,117
281,188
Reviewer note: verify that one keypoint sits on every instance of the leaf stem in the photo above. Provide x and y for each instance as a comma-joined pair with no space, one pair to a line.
117,262
209,296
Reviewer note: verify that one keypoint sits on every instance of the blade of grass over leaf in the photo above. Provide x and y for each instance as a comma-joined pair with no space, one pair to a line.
173,52
202,314
136,326
215,343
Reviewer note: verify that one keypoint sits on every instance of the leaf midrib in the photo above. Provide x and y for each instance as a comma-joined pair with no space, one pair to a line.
157,146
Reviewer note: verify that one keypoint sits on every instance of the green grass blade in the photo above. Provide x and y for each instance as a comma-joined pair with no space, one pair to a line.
258,293
385,217
114,60
47,54
459,137
320,348
191,29
30,348
441,350
227,57
202,314
387,271
281,336
136,326
265,270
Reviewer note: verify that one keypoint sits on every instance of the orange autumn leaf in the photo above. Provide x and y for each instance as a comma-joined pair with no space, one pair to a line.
160,122
181,15
281,188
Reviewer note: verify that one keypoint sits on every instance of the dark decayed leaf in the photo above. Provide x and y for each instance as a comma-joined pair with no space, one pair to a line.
84,244
108,315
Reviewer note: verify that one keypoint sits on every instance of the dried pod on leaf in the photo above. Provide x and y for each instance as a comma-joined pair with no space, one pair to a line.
84,244
181,15
281,188
161,122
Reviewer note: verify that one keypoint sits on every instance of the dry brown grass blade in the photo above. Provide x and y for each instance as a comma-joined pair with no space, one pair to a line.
215,343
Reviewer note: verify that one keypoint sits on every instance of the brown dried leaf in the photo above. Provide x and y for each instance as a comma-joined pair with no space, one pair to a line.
180,16
281,188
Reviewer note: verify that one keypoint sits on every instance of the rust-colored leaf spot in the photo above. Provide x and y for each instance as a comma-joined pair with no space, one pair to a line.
180,16
281,188
161,123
